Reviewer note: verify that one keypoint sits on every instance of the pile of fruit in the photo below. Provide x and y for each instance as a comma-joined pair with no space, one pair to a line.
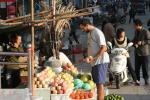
81,94
43,79
70,69
62,83
84,82
114,97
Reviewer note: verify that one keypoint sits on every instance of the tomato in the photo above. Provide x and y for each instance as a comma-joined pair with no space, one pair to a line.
77,97
86,97
90,94
72,95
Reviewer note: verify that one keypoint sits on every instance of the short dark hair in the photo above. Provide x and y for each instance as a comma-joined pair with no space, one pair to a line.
119,31
138,22
84,21
13,37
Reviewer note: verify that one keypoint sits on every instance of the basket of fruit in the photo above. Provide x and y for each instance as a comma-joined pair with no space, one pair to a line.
81,94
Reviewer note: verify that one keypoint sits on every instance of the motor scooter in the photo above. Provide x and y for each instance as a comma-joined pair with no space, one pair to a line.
118,64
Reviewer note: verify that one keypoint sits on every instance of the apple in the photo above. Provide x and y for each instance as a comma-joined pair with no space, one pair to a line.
84,78
60,91
55,84
64,84
64,91
87,60
90,58
54,91
58,87
69,64
37,82
53,88
72,67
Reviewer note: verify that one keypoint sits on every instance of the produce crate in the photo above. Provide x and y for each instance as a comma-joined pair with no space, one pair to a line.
43,92
14,94
59,97
94,98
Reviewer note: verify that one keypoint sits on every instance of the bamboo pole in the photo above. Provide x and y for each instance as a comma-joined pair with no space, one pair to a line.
49,20
32,45
45,12
41,22
26,16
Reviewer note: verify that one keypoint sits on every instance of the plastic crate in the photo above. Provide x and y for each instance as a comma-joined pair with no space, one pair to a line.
14,94
59,97
43,92
94,98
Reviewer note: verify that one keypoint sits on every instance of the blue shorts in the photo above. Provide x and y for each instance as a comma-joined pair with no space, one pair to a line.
99,73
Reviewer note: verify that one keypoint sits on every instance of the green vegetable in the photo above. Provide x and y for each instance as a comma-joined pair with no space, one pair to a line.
114,97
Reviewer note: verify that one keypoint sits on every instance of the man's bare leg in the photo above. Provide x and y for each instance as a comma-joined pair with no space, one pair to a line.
100,92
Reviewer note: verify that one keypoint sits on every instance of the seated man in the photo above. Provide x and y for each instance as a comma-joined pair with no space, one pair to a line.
13,71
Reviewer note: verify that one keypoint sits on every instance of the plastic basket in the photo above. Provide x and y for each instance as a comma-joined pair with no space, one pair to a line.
37,98
94,98
14,94
59,97
42,92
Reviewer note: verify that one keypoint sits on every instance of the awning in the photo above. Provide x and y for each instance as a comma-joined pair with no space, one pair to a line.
7,0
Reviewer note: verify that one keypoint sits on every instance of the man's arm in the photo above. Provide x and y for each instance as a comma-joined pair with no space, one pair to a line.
101,51
147,38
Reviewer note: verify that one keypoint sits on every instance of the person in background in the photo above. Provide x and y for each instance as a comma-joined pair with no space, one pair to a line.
149,6
141,42
97,55
74,27
108,30
121,41
148,24
13,71
132,14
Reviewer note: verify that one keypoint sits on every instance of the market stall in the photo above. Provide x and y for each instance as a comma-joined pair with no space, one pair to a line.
61,82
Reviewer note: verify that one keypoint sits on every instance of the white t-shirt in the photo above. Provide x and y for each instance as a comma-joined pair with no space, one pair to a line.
53,62
95,40
64,59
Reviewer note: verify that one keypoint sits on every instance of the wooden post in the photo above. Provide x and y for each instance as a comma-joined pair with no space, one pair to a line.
32,45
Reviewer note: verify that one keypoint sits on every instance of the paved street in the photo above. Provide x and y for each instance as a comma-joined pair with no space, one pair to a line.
130,91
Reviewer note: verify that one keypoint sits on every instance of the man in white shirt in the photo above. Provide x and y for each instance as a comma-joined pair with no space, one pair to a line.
97,55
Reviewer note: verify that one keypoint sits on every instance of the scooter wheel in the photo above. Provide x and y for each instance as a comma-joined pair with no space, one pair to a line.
122,20
117,78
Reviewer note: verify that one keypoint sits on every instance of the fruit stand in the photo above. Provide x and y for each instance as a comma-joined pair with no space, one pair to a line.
68,84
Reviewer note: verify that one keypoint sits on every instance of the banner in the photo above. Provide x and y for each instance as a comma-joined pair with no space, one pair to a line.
7,0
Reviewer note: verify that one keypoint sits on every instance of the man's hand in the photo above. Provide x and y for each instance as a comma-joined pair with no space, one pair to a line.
89,59
139,43
136,46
